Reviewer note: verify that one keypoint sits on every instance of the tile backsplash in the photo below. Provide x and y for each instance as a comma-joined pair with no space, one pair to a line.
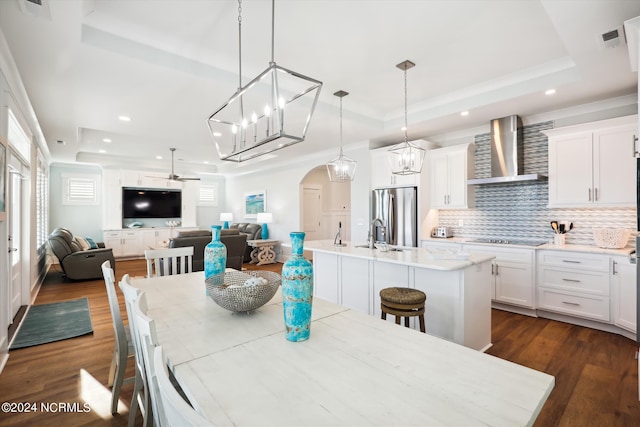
519,210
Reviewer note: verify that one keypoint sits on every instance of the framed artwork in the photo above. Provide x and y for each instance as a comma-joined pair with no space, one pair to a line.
255,202
3,180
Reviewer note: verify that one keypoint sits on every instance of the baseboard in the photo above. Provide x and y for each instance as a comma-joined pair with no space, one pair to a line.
514,309
606,327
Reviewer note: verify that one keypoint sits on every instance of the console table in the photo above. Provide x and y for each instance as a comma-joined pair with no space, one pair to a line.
263,251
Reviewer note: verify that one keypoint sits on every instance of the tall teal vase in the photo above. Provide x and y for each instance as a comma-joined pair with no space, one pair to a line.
215,258
297,291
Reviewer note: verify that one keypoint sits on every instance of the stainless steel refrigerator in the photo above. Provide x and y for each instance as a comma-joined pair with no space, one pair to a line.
397,208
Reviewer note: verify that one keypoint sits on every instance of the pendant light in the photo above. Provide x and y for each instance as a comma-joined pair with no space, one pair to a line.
271,112
406,158
342,168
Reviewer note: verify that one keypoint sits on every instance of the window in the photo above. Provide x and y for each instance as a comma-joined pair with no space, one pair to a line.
208,195
42,204
18,137
80,189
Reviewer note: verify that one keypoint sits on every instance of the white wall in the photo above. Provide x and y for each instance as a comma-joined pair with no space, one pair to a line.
282,186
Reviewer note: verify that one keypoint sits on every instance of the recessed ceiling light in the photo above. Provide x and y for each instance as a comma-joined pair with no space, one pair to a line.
102,151
124,118
206,162
158,157
550,92
217,134
107,140
464,113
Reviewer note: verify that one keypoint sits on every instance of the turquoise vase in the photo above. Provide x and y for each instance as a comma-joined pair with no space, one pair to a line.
215,258
297,291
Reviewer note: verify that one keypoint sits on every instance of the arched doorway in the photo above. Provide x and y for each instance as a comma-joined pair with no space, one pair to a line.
324,206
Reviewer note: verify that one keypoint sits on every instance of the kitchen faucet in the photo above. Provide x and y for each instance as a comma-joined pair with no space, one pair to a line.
371,237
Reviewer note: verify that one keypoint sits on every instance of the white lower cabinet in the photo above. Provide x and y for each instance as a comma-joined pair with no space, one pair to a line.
124,243
574,283
342,281
512,272
130,243
154,238
623,290
326,277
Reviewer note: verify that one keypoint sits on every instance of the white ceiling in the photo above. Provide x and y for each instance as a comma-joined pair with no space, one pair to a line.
169,63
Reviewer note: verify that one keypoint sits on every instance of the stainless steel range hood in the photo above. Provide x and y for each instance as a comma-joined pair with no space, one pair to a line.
507,157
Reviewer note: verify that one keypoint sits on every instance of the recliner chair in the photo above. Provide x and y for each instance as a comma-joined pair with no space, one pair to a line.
78,264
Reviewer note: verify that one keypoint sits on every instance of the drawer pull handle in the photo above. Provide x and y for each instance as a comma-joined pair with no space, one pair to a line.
571,261
571,303
571,280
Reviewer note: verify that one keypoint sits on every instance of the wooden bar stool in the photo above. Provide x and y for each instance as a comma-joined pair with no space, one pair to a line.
403,302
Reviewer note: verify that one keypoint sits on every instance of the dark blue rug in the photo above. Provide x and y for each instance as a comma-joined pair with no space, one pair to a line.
57,321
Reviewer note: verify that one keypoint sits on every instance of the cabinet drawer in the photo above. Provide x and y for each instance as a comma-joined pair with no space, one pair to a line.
575,260
573,280
112,235
502,254
587,306
130,234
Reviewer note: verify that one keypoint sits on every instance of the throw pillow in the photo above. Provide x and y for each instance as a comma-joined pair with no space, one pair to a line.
82,242
92,244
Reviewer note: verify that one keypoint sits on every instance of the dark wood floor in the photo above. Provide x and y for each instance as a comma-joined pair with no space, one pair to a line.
596,372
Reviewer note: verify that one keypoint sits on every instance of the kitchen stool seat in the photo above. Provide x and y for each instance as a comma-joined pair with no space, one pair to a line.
403,302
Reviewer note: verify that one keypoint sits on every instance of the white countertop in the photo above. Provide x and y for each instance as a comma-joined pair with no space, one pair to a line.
415,257
575,248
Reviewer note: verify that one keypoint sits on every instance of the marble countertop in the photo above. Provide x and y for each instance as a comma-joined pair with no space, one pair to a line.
435,259
568,247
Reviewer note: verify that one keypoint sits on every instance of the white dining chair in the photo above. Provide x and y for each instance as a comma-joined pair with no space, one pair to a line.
148,340
174,410
140,399
123,348
168,261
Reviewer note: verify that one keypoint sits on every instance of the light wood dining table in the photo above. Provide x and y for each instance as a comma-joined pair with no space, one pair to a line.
355,370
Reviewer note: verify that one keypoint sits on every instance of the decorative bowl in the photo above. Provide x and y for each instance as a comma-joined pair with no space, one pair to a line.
244,291
611,238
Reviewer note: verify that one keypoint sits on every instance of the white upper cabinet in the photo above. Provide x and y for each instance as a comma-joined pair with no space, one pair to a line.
593,165
381,176
450,168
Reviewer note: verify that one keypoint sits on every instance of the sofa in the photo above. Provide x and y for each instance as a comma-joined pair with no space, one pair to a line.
253,232
79,259
235,242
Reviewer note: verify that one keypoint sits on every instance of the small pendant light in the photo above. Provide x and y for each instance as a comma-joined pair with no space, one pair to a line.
342,168
406,158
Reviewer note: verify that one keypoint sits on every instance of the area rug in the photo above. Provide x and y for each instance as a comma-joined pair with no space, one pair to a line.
57,321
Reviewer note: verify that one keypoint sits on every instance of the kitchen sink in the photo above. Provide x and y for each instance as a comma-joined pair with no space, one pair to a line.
390,249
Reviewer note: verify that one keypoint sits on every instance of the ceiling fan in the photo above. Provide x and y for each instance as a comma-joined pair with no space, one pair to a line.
173,176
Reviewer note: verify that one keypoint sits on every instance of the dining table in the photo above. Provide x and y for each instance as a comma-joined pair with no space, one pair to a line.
237,369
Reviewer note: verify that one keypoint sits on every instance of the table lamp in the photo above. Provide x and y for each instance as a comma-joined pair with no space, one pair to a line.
226,217
265,218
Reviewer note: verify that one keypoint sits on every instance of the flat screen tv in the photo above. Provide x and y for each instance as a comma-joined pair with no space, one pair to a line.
151,203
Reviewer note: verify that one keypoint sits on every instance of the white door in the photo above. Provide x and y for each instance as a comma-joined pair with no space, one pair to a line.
14,219
312,212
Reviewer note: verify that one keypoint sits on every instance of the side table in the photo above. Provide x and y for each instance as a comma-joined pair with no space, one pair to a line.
263,251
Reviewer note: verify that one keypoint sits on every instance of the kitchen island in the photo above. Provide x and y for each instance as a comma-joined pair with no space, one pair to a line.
458,286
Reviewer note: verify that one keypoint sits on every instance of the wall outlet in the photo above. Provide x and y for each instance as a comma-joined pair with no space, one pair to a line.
460,223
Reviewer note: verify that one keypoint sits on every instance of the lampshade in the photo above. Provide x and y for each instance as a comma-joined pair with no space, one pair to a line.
271,112
226,216
342,168
406,158
264,218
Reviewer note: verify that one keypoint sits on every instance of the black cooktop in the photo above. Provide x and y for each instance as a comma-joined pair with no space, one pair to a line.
509,242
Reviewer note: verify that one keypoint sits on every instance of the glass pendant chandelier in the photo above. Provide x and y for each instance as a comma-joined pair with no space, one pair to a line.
406,158
342,168
271,112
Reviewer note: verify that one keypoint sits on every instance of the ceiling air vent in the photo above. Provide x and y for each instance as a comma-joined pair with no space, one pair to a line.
36,8
614,38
